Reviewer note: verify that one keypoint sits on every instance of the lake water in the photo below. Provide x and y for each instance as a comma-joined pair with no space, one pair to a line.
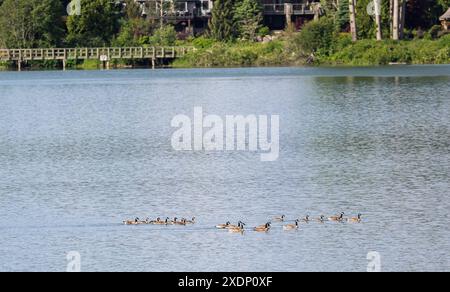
80,151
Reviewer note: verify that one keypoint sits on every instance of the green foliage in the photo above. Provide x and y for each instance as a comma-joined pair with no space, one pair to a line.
222,26
435,31
248,17
342,15
364,22
134,32
317,37
238,54
203,43
371,52
165,36
95,26
263,31
31,23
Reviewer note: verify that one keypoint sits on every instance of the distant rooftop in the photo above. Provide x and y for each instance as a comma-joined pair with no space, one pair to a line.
446,15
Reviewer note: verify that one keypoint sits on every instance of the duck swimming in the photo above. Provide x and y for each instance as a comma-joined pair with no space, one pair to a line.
147,221
132,222
175,221
155,221
339,218
237,229
191,221
306,219
235,226
291,226
280,219
263,228
223,226
355,219
159,222
321,219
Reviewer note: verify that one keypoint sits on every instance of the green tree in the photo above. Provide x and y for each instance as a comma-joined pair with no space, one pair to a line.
134,29
222,25
31,23
318,37
49,25
248,18
95,26
445,4
342,15
165,36
364,21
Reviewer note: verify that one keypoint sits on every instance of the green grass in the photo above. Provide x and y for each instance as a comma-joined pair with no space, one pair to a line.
237,54
287,52
371,52
89,65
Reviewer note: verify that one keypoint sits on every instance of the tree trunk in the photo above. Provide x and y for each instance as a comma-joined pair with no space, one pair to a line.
391,16
395,21
353,27
161,14
377,4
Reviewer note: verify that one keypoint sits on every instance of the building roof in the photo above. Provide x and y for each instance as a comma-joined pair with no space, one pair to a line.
446,15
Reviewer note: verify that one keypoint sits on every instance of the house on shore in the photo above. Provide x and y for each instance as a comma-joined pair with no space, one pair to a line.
445,20
192,16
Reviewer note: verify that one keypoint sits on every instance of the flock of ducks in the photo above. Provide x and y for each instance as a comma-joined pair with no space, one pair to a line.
240,227
158,221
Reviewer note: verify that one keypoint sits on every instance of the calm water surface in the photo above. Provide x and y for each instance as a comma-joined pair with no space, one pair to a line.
82,151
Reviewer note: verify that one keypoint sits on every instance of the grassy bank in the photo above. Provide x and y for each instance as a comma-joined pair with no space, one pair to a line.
288,51
371,52
240,54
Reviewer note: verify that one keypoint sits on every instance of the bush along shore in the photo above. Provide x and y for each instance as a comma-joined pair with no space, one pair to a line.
288,50
236,36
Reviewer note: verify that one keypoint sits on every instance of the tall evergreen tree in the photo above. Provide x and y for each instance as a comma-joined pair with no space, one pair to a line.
222,26
342,15
248,18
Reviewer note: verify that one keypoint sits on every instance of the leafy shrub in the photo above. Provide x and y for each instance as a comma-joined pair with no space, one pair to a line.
165,36
317,37
203,43
434,31
263,31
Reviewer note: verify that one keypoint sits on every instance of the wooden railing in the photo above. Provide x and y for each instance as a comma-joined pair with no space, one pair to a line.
287,8
104,54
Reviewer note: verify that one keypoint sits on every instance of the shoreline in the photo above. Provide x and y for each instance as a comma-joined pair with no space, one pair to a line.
171,68
285,51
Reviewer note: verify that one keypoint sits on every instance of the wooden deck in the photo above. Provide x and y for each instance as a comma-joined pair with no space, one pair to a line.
288,9
103,54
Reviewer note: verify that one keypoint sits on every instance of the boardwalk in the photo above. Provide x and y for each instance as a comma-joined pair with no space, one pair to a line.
103,54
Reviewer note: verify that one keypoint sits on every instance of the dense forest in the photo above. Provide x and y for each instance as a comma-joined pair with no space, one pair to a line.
236,27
